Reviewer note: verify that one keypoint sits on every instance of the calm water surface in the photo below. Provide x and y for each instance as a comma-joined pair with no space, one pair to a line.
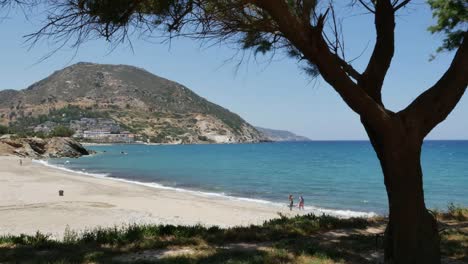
337,175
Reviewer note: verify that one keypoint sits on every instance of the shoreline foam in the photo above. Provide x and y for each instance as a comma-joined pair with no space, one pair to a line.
308,209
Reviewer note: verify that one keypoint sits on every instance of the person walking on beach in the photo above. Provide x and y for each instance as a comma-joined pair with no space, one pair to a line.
21,162
301,203
291,202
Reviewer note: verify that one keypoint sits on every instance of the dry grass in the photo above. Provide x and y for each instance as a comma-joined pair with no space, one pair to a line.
454,212
303,239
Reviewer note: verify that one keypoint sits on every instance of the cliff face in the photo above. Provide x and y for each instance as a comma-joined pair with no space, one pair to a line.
161,110
42,148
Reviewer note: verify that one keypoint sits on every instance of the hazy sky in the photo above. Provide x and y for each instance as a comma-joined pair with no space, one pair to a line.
273,94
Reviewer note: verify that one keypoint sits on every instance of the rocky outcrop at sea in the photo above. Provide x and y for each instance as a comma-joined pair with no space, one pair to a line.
57,147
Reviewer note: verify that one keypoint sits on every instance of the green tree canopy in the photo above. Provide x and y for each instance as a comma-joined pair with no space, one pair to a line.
62,131
4,130
452,20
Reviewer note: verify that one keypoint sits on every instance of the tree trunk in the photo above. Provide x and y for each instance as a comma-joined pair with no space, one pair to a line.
411,235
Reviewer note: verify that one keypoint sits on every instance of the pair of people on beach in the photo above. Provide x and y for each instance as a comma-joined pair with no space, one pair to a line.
291,202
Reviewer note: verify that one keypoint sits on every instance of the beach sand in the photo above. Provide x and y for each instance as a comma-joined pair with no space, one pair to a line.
29,202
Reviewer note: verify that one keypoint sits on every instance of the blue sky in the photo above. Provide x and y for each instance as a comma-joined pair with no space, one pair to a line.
274,94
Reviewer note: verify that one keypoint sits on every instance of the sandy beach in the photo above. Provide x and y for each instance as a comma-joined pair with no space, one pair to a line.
29,202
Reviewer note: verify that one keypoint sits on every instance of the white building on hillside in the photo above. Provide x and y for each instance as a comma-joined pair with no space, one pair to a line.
104,136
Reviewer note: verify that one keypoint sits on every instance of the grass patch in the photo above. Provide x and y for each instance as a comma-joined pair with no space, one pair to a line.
283,240
454,212
101,245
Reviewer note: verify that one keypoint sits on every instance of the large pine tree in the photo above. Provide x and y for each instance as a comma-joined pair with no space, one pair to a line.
297,26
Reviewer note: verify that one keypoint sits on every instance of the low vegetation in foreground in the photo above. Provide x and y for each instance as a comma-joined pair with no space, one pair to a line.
302,239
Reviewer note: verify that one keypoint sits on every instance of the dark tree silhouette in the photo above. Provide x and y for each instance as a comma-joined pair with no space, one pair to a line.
299,27
7,4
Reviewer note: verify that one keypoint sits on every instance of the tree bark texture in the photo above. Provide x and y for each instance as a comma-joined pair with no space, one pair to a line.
411,236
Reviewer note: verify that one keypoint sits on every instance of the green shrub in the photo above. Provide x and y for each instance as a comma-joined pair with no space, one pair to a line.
457,212
453,212
61,116
4,130
62,131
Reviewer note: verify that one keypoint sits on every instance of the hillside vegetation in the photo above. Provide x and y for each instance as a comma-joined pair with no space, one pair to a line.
160,110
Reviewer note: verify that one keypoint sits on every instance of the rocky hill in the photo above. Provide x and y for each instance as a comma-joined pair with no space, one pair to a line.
280,135
42,148
158,109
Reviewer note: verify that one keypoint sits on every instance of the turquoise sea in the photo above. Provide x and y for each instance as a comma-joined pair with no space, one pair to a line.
340,176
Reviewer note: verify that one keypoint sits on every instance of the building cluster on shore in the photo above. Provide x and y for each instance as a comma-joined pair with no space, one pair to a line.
103,136
99,130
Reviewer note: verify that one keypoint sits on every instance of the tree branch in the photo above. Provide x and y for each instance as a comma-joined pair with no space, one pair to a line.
374,75
435,104
402,4
262,25
366,6
311,43
353,73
